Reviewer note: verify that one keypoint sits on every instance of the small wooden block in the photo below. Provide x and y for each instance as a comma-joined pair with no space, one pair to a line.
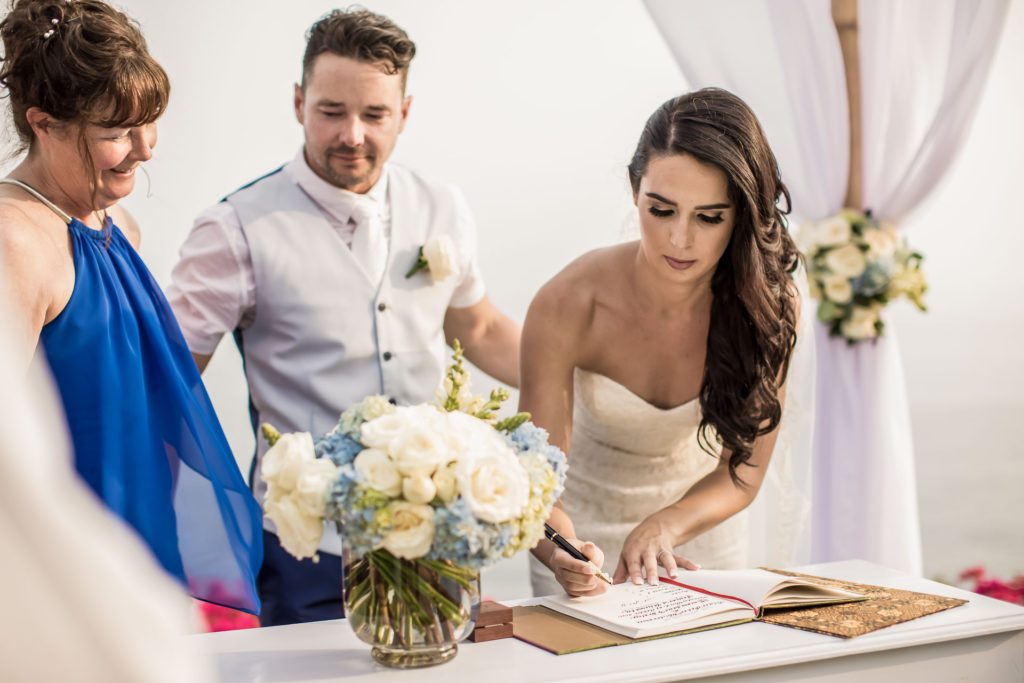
482,634
492,613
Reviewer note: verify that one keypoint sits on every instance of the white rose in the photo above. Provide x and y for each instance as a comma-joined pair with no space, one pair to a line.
418,489
440,255
378,471
312,485
832,232
445,483
282,464
881,243
412,530
846,261
838,289
298,531
418,452
494,484
860,324
380,432
467,434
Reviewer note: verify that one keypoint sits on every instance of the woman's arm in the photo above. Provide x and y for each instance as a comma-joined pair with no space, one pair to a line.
552,337
27,273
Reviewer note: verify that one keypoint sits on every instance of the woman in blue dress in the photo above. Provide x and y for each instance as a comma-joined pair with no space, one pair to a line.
85,95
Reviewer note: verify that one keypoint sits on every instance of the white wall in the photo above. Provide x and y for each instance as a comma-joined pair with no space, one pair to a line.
533,108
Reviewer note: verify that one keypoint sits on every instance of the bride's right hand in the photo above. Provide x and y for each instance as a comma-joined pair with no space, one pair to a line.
576,576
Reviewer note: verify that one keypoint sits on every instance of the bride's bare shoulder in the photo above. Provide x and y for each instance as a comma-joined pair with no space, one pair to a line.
573,292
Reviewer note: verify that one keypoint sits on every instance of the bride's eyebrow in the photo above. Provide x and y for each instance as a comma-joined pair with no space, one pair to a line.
659,198
710,207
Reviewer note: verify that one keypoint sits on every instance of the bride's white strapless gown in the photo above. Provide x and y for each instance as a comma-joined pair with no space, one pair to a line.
627,460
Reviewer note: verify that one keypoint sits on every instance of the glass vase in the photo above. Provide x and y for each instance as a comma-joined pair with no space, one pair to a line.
413,612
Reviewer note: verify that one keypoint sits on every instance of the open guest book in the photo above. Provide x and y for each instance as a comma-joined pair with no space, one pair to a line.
707,598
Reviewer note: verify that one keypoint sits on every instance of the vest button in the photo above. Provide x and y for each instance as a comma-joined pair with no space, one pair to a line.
381,306
387,355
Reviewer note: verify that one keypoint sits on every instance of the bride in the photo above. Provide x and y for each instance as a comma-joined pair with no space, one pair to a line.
660,365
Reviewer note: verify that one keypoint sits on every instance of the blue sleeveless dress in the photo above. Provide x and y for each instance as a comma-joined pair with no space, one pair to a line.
145,436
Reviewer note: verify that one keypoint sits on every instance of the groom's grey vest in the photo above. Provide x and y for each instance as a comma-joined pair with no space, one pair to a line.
323,336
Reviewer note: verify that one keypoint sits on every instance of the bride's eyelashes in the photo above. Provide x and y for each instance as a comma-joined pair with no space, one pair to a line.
703,217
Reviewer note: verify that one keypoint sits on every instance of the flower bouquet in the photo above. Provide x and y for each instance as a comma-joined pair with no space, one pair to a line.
855,266
424,496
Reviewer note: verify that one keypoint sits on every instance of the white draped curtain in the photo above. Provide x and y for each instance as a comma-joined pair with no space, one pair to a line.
922,68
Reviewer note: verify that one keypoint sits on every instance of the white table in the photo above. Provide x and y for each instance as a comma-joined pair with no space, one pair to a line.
980,641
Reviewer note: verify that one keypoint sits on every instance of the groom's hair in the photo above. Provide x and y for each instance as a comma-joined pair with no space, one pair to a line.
753,314
361,35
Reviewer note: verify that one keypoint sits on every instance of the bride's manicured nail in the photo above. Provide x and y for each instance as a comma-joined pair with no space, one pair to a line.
673,575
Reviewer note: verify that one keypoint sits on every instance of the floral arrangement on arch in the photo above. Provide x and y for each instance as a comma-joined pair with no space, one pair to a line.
855,266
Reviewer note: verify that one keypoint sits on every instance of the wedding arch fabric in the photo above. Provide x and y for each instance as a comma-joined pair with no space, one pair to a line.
922,68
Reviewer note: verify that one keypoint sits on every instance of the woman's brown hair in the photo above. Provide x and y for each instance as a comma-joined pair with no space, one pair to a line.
754,309
80,61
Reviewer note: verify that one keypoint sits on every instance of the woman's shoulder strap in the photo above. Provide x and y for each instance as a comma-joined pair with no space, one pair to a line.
32,191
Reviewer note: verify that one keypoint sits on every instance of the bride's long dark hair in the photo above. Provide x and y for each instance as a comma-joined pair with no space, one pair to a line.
754,309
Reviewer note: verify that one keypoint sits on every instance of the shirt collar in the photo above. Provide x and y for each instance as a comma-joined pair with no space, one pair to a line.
332,199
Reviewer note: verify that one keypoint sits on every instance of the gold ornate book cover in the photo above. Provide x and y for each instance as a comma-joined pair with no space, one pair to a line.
884,607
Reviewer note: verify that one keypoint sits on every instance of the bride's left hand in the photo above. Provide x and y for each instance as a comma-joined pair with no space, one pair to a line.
649,544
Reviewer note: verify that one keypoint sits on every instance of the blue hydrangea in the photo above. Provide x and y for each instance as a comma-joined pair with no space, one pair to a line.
528,437
874,280
339,447
459,536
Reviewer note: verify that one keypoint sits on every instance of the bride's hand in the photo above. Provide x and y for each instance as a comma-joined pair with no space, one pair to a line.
648,545
576,576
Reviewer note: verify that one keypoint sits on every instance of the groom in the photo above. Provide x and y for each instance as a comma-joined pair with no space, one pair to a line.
306,267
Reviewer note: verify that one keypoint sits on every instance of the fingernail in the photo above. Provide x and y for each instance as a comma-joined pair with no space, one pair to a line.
673,575
637,581
696,565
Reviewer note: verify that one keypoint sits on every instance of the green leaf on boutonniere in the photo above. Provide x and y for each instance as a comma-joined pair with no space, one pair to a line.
421,264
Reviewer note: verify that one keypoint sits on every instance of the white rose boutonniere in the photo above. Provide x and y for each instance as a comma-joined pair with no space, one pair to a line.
437,256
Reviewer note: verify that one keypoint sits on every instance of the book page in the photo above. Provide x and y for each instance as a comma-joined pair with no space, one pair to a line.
646,605
763,588
645,610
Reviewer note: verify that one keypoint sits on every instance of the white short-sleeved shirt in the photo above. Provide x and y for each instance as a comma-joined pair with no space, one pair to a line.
212,289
